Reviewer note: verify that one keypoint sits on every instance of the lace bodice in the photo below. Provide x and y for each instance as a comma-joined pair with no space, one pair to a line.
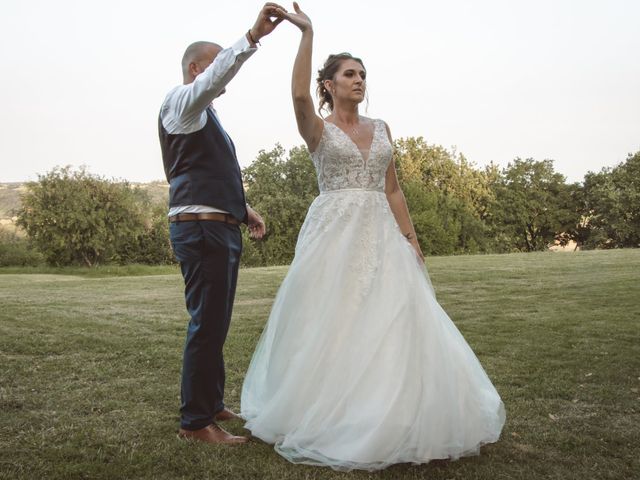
340,164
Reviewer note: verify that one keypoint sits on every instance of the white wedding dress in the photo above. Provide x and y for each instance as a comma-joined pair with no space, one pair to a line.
358,366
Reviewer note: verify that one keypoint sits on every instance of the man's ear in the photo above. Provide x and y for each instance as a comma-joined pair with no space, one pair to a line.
194,69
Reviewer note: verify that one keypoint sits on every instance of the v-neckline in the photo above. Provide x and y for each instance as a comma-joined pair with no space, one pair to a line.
365,161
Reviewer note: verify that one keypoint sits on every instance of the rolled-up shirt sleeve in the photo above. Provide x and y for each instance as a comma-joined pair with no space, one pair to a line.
184,107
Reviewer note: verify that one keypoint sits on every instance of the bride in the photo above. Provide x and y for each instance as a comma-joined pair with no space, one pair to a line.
359,367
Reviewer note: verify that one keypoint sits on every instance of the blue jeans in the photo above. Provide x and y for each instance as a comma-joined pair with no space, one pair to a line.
209,256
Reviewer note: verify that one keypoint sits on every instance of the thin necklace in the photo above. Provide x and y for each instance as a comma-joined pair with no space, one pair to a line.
355,130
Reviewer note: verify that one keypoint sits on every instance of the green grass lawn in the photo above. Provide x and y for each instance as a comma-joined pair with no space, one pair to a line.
90,369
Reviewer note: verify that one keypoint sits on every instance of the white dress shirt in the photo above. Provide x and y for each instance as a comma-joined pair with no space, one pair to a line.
184,109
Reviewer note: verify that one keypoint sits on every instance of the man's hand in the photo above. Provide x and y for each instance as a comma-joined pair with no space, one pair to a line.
264,24
256,225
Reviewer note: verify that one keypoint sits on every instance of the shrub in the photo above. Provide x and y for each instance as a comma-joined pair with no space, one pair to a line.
16,251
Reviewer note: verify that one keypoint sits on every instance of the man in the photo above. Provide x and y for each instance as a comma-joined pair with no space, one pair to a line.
206,207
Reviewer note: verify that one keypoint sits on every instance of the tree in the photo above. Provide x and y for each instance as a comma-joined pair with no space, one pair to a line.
76,218
582,232
611,205
434,218
447,196
447,172
150,244
533,206
281,190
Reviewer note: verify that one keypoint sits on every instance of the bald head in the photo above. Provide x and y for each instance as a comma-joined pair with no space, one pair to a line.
196,58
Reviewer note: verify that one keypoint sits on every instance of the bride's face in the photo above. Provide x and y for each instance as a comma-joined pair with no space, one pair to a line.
349,83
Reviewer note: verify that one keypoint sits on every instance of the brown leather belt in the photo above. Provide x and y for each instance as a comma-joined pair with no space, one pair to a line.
215,217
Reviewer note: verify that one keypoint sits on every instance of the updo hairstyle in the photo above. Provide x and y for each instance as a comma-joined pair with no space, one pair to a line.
327,72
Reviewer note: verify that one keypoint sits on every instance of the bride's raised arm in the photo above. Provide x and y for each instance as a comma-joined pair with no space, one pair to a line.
309,123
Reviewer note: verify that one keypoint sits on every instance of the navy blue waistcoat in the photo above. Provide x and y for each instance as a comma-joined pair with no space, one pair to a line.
202,169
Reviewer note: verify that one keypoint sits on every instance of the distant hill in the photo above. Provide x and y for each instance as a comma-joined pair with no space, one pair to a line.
158,191
10,198
10,193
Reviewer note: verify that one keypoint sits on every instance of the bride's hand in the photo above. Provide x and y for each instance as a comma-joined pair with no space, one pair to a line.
416,246
299,18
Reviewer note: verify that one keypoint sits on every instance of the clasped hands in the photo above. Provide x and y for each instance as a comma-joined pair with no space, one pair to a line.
272,15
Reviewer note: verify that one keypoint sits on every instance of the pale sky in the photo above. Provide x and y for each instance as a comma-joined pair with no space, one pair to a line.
82,81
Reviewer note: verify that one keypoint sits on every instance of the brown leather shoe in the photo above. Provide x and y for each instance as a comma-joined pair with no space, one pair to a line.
211,434
226,414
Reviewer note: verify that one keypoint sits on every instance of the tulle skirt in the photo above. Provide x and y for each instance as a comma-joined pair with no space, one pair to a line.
358,366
